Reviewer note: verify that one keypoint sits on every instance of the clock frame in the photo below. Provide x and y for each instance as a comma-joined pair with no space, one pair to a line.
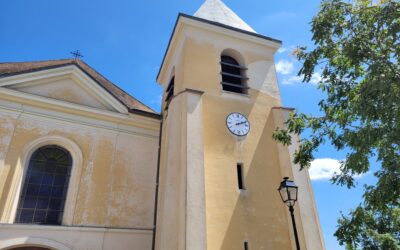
238,124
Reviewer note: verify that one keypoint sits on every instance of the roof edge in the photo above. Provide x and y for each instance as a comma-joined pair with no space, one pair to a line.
284,108
212,23
69,62
145,113
112,83
168,46
230,28
65,65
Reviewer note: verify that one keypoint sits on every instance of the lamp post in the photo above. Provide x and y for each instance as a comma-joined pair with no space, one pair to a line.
288,191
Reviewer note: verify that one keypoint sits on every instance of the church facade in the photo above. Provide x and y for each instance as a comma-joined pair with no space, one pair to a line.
83,165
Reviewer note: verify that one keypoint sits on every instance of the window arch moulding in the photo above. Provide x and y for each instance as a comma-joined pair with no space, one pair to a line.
32,241
235,55
22,166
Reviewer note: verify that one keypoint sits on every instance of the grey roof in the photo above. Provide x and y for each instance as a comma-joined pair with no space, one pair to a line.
217,11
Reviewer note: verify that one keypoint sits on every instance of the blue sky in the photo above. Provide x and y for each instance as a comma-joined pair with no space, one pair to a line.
125,41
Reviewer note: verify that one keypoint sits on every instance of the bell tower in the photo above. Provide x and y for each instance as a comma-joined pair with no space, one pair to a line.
219,166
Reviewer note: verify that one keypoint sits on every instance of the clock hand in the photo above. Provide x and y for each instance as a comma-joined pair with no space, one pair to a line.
240,123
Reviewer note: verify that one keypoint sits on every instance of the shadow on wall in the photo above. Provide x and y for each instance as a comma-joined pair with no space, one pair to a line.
268,217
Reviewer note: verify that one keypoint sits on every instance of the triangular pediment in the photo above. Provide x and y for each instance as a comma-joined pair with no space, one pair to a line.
68,85
64,89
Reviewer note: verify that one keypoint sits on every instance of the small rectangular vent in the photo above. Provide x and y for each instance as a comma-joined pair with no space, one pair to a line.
240,178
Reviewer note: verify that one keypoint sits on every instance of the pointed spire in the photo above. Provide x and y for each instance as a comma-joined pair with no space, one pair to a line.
217,11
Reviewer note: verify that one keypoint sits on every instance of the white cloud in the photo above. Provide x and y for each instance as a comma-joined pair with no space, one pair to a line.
284,67
315,79
292,80
290,49
325,169
282,49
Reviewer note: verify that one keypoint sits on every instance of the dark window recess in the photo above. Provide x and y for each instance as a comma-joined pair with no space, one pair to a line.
232,77
246,245
45,187
239,167
169,92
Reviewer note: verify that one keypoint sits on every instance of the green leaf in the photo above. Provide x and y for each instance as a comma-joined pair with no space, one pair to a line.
357,51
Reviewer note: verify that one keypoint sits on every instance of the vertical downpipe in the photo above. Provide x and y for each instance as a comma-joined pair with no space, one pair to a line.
157,184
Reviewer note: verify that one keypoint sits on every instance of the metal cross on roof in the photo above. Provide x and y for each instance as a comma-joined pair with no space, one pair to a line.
76,54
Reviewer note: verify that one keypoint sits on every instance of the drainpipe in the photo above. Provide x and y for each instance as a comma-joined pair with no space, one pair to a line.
157,185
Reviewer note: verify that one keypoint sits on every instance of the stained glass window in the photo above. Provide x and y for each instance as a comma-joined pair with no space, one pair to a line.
45,187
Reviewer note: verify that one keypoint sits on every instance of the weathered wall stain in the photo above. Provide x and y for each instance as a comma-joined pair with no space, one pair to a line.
116,185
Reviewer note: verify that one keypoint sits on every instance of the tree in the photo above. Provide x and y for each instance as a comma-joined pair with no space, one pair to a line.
357,51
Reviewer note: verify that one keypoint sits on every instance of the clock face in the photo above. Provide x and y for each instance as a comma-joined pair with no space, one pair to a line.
238,124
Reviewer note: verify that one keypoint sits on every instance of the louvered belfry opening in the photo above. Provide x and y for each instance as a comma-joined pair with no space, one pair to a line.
169,92
232,75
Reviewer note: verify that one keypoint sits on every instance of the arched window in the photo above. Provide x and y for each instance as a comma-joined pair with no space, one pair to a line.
232,75
45,187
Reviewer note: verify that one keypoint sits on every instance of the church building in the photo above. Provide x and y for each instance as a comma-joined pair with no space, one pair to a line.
86,166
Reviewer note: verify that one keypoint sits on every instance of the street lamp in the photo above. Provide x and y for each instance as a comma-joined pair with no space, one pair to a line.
288,191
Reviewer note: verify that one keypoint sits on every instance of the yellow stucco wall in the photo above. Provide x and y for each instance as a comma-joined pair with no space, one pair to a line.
256,215
116,183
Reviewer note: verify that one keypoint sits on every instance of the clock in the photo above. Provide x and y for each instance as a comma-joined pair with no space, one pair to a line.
238,124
